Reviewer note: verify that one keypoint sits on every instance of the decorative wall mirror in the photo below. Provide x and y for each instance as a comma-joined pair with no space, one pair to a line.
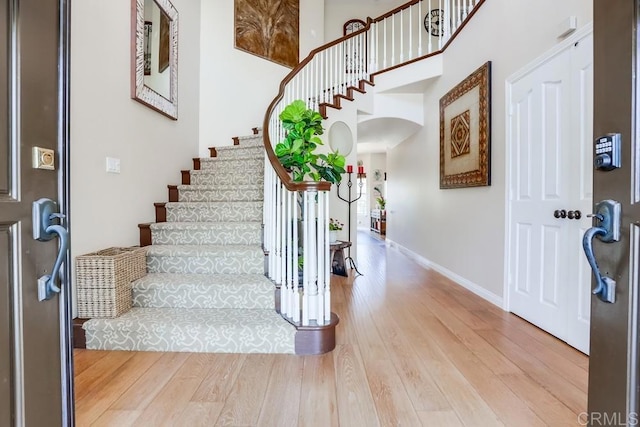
154,55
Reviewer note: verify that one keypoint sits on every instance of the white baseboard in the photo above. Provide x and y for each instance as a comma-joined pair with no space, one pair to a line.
467,284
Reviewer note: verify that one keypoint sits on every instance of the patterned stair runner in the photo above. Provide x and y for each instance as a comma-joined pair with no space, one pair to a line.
205,290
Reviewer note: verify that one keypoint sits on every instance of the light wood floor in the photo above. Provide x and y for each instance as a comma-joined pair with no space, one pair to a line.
413,349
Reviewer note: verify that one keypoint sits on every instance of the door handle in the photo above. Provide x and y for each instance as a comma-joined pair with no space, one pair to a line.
560,213
608,231
574,214
43,215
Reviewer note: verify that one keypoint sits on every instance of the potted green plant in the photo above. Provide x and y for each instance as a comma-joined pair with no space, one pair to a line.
334,227
297,151
380,200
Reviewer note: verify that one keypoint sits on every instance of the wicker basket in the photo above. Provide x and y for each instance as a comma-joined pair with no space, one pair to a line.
103,280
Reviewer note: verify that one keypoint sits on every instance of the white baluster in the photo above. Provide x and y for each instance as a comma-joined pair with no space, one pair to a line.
384,43
323,76
420,26
441,24
285,295
336,72
327,264
363,58
401,36
278,222
349,47
320,243
429,36
375,50
393,40
309,85
272,252
293,251
410,33
295,307
313,260
266,209
318,79
283,233
306,256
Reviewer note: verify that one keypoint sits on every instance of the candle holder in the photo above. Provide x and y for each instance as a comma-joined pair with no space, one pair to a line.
349,201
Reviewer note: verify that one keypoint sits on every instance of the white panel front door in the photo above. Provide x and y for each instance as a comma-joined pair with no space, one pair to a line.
550,171
579,302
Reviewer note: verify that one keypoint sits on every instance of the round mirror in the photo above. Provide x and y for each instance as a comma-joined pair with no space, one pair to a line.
341,138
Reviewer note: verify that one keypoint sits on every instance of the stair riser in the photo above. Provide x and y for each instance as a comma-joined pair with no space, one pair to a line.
192,340
213,178
216,213
231,165
229,264
251,141
229,331
240,153
206,237
220,195
202,297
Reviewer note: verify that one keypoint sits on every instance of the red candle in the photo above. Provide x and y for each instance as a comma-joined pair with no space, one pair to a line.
360,169
349,168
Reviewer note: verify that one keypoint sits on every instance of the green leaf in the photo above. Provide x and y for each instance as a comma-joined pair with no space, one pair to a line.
293,112
297,145
297,151
316,140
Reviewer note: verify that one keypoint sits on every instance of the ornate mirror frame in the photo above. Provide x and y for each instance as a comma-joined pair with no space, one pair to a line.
139,90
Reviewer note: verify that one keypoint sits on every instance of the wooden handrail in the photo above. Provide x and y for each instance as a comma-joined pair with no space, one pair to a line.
282,173
434,53
396,10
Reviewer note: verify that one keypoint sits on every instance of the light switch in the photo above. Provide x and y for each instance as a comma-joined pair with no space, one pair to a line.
113,165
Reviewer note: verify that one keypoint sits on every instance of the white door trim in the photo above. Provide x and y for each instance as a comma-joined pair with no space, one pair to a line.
542,59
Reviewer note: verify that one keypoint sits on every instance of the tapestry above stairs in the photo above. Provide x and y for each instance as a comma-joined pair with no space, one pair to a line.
206,289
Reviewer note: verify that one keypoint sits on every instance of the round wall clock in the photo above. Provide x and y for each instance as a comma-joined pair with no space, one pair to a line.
433,22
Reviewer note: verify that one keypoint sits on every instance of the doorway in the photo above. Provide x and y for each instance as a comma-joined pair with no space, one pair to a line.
36,387
549,144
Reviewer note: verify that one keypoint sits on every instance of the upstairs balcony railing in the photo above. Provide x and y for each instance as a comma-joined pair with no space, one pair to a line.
296,214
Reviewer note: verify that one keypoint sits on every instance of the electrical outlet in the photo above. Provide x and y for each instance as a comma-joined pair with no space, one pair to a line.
113,165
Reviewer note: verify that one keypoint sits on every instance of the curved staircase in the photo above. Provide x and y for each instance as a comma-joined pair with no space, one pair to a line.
206,289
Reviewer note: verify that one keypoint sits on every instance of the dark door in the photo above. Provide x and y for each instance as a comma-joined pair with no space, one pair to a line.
613,363
34,355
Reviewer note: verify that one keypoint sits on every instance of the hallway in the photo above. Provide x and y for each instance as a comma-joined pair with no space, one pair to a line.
413,349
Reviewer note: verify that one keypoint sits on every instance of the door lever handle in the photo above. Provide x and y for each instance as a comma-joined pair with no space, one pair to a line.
607,215
48,288
605,286
44,230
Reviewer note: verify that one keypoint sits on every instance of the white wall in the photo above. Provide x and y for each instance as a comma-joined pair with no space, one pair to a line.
311,26
371,162
236,86
463,230
337,12
105,121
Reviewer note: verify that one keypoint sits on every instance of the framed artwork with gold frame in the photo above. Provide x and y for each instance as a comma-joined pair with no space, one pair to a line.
465,132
